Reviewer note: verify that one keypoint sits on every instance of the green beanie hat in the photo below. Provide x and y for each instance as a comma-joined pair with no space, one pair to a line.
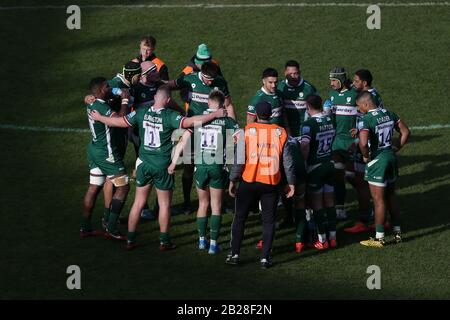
203,54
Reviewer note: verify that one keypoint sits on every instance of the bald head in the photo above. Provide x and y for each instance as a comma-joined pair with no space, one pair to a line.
365,101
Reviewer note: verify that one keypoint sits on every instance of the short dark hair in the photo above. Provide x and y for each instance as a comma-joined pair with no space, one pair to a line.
96,83
217,95
365,75
270,72
292,63
365,95
149,41
210,69
314,101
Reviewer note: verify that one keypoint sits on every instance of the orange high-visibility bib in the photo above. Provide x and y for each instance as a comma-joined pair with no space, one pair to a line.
263,150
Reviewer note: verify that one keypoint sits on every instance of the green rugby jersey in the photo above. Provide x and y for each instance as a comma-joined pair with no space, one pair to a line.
118,82
211,140
294,100
275,101
320,132
344,112
155,129
380,123
103,142
143,95
199,92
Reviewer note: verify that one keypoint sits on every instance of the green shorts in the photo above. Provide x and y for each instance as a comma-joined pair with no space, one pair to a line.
210,176
147,173
321,177
382,170
340,147
108,166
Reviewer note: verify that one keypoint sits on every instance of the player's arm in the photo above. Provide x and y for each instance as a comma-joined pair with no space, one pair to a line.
125,96
230,108
363,144
404,134
113,121
238,163
178,151
200,120
251,111
289,170
305,139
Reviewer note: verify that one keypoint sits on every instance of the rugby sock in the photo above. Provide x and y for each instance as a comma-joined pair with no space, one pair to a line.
106,212
202,222
164,238
331,217
131,236
86,224
216,220
379,229
116,207
321,222
300,222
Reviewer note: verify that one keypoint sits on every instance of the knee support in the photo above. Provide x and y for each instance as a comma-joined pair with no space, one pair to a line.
96,177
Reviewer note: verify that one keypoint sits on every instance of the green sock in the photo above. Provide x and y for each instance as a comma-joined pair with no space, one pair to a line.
300,222
202,222
164,238
331,217
112,222
216,220
86,224
106,213
319,217
131,236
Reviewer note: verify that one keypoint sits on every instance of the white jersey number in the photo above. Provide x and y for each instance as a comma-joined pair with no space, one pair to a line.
151,137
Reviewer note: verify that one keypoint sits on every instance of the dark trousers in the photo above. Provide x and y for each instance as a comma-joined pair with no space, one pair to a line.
246,195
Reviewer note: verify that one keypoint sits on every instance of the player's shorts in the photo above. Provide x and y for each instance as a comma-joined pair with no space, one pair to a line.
146,174
101,166
214,176
340,147
382,170
320,177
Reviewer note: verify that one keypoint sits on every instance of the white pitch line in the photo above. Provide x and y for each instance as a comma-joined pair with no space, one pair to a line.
80,130
223,6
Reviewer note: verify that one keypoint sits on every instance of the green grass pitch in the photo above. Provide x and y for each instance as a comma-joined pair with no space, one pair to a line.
45,69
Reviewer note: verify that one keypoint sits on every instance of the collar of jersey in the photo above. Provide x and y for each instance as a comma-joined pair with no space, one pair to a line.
317,115
100,100
269,94
122,78
156,110
298,85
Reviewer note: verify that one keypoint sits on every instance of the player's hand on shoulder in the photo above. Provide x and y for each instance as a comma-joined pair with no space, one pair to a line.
89,99
95,115
353,132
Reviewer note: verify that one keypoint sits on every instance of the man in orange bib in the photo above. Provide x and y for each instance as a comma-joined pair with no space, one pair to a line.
260,159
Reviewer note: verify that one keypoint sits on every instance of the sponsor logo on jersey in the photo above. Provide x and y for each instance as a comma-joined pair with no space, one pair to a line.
199,97
349,99
345,110
253,131
294,104
193,85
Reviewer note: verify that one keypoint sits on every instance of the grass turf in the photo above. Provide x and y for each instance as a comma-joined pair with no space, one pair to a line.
44,175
